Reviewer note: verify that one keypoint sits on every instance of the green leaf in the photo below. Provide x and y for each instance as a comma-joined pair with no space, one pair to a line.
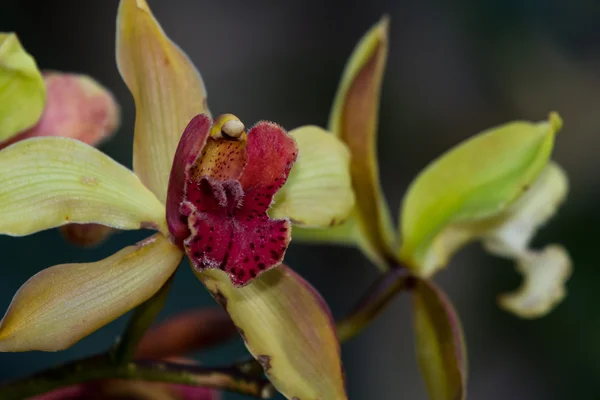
440,344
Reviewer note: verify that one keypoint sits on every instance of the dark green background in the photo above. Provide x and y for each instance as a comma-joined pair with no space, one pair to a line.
455,68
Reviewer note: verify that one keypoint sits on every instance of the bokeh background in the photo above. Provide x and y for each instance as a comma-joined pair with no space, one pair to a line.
454,69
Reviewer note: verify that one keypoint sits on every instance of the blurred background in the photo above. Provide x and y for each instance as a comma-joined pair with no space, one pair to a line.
454,69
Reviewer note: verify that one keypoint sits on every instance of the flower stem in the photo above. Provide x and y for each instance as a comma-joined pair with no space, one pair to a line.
138,324
397,279
102,367
375,299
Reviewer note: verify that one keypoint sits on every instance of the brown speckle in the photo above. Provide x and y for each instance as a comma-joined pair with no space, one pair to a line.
149,225
220,298
242,334
90,180
264,361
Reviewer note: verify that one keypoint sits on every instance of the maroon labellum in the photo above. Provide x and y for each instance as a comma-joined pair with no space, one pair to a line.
222,184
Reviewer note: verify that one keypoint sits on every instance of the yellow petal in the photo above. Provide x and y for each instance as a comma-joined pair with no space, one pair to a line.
167,89
476,181
318,192
287,327
440,344
52,181
22,90
354,119
61,305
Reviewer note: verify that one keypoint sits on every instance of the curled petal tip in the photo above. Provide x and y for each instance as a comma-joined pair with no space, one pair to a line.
555,121
142,5
384,26
545,274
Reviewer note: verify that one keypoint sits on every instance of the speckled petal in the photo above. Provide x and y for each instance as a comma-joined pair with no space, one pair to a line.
239,240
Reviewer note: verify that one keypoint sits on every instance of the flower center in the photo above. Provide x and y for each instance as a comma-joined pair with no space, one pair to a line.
228,187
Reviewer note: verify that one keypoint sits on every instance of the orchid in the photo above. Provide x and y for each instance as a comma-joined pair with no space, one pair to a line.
231,199
497,187
205,187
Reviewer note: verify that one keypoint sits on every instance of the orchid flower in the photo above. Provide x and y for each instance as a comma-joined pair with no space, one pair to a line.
205,187
497,187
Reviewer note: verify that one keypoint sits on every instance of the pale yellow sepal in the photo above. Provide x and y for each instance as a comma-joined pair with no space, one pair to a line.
51,181
318,192
476,181
62,304
22,89
167,89
288,328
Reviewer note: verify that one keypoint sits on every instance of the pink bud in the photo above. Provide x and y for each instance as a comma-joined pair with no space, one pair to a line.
76,107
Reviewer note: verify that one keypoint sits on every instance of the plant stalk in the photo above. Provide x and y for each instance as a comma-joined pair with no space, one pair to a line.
102,367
